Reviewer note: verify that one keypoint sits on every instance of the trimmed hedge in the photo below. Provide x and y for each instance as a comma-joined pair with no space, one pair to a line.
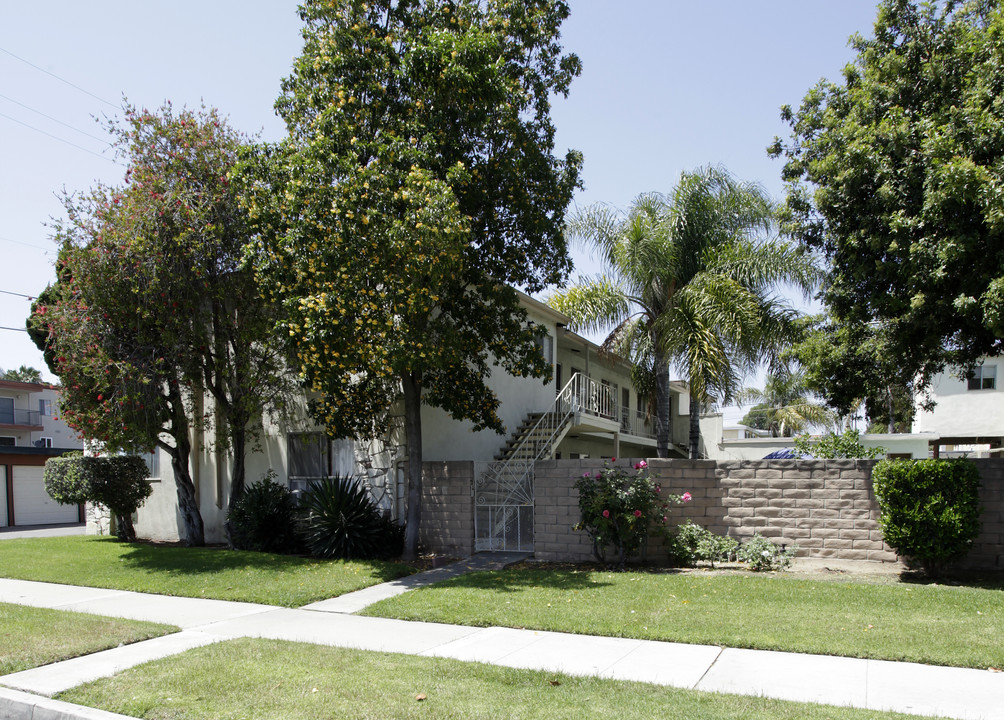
930,509
117,482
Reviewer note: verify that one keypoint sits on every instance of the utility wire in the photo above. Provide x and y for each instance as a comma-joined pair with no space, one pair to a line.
56,137
4,327
63,80
21,242
55,120
8,292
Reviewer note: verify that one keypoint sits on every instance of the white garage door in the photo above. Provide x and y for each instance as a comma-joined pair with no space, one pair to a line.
3,495
32,504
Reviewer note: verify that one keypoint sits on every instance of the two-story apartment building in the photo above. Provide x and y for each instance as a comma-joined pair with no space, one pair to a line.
30,433
968,416
588,409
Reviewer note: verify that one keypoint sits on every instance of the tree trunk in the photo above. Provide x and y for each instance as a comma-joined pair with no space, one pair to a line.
188,503
892,412
695,428
413,437
124,528
238,442
663,409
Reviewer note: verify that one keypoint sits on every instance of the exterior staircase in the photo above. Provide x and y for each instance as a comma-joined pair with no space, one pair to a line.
503,489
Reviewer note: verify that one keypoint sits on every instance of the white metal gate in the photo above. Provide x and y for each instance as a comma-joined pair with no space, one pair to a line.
503,506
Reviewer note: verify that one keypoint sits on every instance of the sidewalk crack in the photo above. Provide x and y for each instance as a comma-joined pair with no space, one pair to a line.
708,669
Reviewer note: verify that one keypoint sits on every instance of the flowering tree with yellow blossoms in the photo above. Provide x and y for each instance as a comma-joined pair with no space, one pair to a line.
416,188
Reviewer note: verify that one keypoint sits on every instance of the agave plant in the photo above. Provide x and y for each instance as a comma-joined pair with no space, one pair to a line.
343,522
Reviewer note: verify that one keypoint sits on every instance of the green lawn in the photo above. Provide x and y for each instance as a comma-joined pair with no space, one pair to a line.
30,636
189,572
257,679
934,624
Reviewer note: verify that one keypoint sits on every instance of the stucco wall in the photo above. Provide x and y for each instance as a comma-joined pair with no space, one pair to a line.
961,412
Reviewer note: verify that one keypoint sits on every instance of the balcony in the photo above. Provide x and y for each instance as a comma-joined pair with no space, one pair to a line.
18,418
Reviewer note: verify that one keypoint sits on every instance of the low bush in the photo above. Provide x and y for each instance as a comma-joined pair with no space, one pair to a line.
618,509
264,519
764,555
117,482
690,544
341,521
930,509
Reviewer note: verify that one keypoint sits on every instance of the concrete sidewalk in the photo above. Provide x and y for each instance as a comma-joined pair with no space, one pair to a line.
871,684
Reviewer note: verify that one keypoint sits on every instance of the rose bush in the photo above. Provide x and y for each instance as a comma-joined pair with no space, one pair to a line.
618,508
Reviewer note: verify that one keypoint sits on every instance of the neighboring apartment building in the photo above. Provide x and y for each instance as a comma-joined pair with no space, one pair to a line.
589,409
968,416
30,433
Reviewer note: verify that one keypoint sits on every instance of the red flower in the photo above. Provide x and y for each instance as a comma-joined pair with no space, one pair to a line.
637,513
606,513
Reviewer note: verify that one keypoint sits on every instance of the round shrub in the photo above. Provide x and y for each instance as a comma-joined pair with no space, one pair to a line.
341,521
118,482
930,509
264,519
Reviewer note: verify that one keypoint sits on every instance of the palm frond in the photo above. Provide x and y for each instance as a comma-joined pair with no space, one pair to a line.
594,305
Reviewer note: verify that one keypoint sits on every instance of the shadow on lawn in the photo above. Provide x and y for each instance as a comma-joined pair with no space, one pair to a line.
180,560
957,578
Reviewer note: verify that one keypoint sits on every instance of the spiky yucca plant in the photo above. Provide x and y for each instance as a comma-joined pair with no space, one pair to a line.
341,521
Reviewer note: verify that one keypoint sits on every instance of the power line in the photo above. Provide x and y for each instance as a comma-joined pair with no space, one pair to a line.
55,120
63,80
8,292
56,137
21,242
4,327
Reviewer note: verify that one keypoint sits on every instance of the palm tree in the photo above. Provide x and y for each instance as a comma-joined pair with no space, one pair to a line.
784,407
691,280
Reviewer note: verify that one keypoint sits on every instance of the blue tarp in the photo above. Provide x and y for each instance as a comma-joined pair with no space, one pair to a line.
786,454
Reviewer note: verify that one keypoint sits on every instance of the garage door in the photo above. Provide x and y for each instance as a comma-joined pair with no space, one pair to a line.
32,504
3,495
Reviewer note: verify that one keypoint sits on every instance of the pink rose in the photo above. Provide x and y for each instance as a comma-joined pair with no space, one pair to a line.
640,465
606,513
637,513
687,497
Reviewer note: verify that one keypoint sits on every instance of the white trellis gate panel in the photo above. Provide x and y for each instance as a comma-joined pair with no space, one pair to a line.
503,507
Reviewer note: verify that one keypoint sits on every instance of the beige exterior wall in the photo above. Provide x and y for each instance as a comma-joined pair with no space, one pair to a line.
961,412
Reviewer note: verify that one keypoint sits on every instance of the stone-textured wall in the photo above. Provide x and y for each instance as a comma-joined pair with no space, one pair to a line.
447,508
827,507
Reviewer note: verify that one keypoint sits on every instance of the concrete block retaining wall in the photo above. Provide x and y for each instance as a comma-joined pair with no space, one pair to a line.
826,507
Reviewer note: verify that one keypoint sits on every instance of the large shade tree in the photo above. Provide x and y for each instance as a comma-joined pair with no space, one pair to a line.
153,308
896,175
691,280
417,185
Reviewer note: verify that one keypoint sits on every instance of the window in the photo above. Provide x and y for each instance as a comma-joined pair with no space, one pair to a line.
8,442
545,344
152,464
984,378
308,456
43,442
7,410
45,407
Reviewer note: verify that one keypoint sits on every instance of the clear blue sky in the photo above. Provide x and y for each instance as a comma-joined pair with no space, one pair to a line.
667,85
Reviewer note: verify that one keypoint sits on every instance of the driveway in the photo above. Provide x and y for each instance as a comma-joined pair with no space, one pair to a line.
10,533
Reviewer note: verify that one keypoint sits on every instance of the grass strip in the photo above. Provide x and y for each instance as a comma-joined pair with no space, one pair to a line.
190,572
30,637
933,624
265,679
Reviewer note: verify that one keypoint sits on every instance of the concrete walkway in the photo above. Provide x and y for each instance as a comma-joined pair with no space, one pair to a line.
872,684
